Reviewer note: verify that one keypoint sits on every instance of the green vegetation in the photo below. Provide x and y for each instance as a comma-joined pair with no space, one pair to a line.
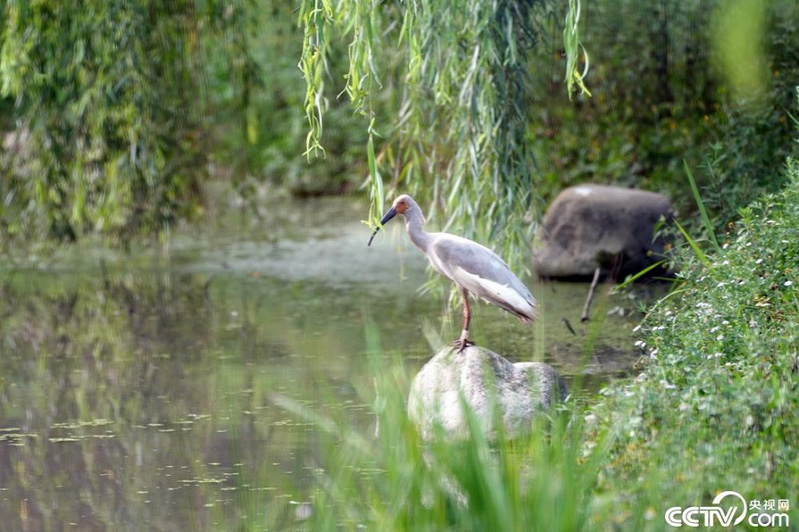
119,114
396,481
663,94
716,406
122,113
456,76
107,136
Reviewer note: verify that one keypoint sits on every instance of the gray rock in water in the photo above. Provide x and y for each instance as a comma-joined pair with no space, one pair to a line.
590,226
482,379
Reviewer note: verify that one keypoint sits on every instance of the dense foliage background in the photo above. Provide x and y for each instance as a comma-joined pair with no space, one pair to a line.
116,114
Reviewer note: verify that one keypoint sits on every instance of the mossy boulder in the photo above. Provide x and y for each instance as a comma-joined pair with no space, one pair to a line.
492,387
598,226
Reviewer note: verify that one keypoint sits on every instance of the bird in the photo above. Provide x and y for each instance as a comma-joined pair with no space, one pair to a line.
471,266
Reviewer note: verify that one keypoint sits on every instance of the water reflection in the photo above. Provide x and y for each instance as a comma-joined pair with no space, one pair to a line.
138,396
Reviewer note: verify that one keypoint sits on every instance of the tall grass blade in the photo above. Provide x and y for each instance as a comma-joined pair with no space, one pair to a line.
705,218
632,278
699,253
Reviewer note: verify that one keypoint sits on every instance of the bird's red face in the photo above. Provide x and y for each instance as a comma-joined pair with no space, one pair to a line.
401,205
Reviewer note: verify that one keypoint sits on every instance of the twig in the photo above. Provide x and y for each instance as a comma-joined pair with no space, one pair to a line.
569,326
590,298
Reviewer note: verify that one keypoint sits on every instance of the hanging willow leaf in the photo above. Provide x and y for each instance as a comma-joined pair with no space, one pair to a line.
106,99
571,43
459,133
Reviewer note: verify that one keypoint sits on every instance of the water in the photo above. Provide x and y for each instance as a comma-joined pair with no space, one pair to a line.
143,391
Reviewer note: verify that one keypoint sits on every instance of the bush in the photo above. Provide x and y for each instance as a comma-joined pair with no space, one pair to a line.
716,408
659,98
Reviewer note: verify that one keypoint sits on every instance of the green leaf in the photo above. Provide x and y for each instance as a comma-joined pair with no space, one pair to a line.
376,180
699,254
705,218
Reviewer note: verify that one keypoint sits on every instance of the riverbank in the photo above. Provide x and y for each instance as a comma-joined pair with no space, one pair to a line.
717,407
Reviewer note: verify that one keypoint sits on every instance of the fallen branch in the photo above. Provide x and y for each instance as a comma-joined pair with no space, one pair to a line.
588,300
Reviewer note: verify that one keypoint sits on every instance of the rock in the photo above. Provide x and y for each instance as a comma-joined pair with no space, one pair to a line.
590,226
521,391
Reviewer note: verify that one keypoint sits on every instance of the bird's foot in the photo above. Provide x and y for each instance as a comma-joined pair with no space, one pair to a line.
461,344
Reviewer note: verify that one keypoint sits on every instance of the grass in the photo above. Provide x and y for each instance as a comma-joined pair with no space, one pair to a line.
398,482
714,408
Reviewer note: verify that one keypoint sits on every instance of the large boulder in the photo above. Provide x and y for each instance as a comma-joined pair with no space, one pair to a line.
599,226
488,384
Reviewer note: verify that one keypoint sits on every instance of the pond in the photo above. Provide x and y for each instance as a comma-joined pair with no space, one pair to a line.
141,390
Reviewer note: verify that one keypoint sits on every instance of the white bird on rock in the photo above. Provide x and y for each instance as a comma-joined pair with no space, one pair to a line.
472,267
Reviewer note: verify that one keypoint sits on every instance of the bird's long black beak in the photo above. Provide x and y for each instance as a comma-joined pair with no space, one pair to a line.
391,213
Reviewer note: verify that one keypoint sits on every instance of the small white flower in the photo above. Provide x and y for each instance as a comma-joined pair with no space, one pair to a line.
788,283
759,261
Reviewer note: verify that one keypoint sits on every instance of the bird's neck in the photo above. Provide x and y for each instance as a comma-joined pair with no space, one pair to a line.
420,238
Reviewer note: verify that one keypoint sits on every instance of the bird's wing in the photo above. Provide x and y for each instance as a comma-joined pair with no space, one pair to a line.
482,272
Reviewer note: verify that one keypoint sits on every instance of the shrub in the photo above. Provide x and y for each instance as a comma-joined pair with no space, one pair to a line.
716,407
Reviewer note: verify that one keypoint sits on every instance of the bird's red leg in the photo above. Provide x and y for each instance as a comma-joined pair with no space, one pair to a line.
463,342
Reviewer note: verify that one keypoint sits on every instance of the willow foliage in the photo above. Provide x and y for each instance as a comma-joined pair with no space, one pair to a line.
459,69
106,138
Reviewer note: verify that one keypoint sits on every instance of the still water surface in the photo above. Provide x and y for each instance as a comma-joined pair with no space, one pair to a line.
138,391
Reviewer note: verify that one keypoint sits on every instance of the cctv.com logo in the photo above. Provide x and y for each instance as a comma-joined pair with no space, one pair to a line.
733,513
